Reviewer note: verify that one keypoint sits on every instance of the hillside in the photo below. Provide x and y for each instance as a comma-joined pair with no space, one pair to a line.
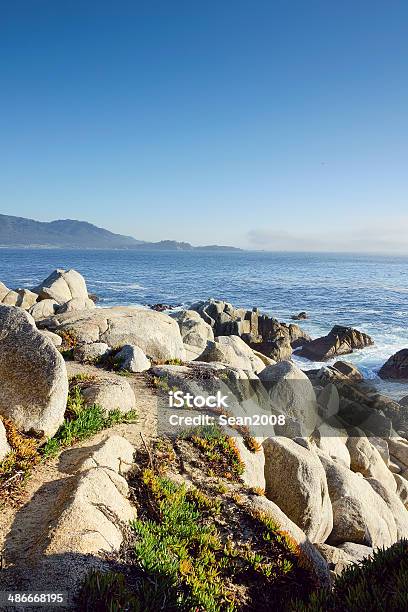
68,233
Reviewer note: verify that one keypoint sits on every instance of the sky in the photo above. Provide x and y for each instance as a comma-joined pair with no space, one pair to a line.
277,125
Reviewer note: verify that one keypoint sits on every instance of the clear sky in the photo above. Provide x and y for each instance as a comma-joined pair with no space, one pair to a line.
264,124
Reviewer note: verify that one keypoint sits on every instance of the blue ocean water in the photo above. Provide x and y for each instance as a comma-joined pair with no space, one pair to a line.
369,292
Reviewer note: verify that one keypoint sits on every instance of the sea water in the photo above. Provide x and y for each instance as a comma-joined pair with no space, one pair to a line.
369,292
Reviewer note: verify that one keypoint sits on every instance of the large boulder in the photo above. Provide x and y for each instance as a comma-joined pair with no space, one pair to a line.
155,333
360,515
366,459
292,394
77,303
396,367
91,353
296,482
3,291
94,507
132,359
395,506
333,441
62,286
339,558
194,331
33,376
44,309
349,370
402,489
339,341
4,447
24,298
313,559
232,351
113,393
262,332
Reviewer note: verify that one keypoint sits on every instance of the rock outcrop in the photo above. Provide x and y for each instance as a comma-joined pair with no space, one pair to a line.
232,351
291,393
296,482
360,515
194,331
263,333
155,333
339,341
396,367
132,359
33,376
62,286
112,393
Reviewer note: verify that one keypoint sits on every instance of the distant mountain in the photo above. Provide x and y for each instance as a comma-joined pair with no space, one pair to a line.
67,233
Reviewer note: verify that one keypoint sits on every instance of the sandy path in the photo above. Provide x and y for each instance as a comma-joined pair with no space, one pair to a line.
24,529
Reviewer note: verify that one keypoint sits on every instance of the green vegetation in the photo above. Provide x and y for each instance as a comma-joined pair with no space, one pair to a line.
17,465
183,553
82,422
375,584
220,451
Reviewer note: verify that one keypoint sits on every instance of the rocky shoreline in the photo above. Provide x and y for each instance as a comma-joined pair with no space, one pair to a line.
333,473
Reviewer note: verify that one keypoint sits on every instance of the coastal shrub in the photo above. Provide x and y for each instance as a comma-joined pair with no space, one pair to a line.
82,422
106,591
220,451
378,583
18,463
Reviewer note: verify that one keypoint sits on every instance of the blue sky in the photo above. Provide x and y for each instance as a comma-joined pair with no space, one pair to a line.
276,125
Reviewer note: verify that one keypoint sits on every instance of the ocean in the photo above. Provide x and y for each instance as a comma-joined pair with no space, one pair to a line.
369,292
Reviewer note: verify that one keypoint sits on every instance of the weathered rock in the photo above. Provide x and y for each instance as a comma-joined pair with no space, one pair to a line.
4,446
133,359
26,298
402,489
382,446
232,351
328,401
396,367
340,341
300,317
360,515
95,510
3,291
62,286
33,377
349,370
253,475
279,349
366,459
114,453
316,562
333,441
357,551
336,558
291,393
194,331
296,482
43,310
78,303
11,299
398,448
265,360
395,505
404,401
55,338
112,393
263,333
157,334
91,353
